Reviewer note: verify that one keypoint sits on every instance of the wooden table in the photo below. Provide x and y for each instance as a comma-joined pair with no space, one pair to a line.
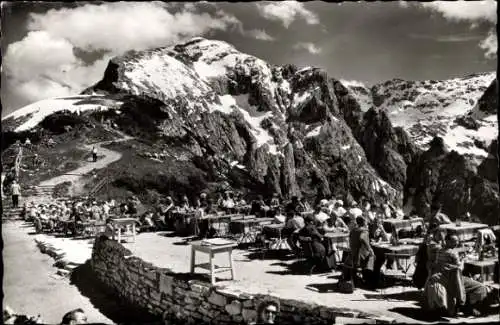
212,250
393,253
265,221
222,221
487,269
338,241
337,237
120,223
465,231
396,249
399,224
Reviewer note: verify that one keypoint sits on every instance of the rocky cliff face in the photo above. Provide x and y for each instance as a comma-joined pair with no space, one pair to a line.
459,110
274,129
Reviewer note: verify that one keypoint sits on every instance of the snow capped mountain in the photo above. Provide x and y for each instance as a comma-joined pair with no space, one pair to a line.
430,108
280,129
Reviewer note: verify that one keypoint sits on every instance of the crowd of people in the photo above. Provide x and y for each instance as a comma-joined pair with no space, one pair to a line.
303,225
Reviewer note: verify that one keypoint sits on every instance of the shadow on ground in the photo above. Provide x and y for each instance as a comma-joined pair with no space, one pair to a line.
417,314
107,302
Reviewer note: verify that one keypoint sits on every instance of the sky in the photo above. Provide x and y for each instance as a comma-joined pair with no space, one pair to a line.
53,49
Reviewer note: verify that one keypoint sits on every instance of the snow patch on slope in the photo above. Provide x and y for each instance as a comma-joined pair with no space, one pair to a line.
314,132
40,110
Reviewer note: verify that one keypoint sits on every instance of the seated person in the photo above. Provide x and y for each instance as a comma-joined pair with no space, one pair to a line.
293,205
146,221
293,225
304,206
279,217
275,202
446,293
259,207
377,231
386,211
185,204
439,217
321,214
109,230
228,203
355,211
335,223
339,209
318,248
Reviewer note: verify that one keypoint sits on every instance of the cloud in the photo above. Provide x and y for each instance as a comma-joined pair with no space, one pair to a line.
465,10
44,64
120,26
473,12
260,34
490,45
286,12
310,47
447,38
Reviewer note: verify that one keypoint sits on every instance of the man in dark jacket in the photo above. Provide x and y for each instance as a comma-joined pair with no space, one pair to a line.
362,255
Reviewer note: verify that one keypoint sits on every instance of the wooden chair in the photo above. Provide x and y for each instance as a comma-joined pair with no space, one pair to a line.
308,253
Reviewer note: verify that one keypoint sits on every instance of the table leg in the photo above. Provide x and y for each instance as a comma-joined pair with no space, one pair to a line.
233,276
119,234
133,231
193,253
212,267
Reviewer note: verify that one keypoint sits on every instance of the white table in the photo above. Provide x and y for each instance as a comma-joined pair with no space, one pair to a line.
120,223
212,250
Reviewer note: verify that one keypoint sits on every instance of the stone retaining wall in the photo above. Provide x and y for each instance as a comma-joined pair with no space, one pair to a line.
188,298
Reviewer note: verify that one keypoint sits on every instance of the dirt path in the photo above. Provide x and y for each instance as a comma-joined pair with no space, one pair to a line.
29,282
74,176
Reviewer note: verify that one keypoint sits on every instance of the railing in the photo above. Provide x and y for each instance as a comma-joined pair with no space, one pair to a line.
17,163
98,186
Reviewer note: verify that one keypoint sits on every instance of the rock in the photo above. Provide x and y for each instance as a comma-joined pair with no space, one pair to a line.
467,122
234,308
217,299
249,315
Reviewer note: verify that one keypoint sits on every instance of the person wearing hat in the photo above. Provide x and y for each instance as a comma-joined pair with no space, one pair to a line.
318,248
294,223
355,211
362,254
338,208
321,214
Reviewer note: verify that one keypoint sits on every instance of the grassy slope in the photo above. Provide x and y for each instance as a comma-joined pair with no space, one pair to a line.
147,178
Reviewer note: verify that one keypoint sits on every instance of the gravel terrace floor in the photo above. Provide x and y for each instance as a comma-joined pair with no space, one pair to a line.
30,286
275,276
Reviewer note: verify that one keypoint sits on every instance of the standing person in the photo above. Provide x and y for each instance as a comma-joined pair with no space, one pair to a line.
94,154
16,192
362,254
